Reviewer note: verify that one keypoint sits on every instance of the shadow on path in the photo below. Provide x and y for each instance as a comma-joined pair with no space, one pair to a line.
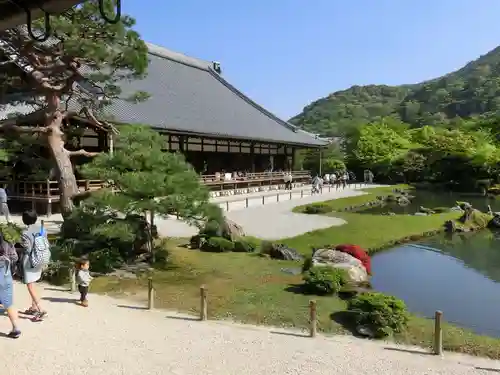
60,300
188,318
132,307
411,351
289,334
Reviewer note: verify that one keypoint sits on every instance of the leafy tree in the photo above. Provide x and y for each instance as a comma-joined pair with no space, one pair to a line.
85,48
143,178
330,158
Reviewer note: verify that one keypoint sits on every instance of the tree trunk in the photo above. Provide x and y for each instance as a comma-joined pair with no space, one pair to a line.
68,186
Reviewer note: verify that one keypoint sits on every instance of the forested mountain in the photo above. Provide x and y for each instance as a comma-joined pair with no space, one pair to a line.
468,92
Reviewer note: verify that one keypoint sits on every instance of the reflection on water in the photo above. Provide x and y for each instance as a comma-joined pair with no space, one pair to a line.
432,200
459,275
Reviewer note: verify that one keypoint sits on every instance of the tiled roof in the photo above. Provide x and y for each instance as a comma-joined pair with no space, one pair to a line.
188,95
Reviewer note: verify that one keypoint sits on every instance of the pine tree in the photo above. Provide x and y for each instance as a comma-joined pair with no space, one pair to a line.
144,179
84,48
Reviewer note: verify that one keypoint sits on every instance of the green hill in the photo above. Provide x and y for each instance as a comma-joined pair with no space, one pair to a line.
470,91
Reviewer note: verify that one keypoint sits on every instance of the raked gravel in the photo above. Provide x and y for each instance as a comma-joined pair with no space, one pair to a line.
108,338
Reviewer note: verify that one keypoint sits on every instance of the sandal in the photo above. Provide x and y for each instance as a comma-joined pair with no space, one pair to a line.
38,317
30,311
14,334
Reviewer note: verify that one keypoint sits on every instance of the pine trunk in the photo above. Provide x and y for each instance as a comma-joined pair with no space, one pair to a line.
68,186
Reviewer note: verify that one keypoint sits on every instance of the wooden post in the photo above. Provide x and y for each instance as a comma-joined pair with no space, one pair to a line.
246,202
278,197
290,195
203,303
263,200
227,205
329,188
87,185
151,294
302,193
312,319
438,333
72,278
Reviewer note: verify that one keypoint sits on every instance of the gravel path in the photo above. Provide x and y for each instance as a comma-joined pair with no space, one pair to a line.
110,339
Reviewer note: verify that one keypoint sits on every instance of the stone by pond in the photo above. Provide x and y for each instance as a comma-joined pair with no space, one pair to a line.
458,274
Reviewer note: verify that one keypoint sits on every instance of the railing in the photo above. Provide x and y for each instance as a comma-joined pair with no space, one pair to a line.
40,190
219,178
36,190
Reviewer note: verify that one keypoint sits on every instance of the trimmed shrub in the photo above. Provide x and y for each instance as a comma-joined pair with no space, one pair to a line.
380,313
11,232
358,253
245,245
317,208
218,245
322,280
307,264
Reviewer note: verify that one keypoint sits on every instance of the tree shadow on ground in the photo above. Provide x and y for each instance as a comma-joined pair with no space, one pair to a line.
60,300
297,289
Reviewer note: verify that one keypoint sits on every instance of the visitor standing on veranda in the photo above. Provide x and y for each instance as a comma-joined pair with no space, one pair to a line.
4,206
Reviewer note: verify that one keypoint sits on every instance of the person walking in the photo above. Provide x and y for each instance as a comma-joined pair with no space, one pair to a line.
32,242
8,258
4,206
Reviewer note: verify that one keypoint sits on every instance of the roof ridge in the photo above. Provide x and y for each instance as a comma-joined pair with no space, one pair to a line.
166,53
251,102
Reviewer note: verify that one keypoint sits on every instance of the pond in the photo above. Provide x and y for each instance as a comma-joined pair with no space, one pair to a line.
458,274
429,199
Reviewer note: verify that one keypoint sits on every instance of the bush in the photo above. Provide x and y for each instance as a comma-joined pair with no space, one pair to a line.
245,245
57,272
358,253
307,264
321,280
380,313
218,245
11,232
317,208
105,260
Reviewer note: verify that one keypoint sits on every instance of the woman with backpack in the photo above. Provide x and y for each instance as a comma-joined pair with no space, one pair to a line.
35,246
8,258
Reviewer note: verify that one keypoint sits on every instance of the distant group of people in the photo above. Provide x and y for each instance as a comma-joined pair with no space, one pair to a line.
28,263
340,179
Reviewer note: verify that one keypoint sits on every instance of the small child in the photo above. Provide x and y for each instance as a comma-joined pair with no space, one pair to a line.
83,279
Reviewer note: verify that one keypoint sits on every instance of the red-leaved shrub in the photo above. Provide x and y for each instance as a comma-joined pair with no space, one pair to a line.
358,253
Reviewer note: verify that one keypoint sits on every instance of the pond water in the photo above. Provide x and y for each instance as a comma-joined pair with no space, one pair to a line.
458,274
429,199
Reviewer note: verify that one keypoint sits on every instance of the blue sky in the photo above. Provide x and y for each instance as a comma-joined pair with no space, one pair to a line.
285,54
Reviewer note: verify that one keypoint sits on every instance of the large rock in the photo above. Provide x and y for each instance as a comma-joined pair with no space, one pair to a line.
283,252
231,230
337,259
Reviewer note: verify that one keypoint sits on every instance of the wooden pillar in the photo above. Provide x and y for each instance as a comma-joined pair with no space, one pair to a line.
294,152
252,156
182,144
102,141
111,145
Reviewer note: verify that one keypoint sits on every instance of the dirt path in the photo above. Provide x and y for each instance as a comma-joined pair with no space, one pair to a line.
108,338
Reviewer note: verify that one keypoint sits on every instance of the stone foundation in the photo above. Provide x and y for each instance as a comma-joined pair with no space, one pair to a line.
253,189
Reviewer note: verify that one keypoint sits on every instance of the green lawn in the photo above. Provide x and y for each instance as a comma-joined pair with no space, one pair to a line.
253,289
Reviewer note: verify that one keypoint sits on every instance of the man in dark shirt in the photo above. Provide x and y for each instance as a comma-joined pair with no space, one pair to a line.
4,207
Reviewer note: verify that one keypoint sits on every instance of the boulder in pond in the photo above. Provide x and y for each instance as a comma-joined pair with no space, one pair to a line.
355,270
283,252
